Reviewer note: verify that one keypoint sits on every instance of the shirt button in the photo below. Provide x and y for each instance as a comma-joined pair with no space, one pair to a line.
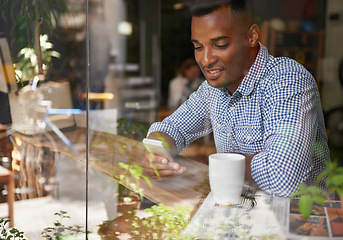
218,126
229,134
248,137
232,108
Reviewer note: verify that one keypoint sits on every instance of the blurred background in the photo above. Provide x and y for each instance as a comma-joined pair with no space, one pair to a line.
107,66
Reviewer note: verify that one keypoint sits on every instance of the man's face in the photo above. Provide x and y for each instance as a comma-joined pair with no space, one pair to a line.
221,48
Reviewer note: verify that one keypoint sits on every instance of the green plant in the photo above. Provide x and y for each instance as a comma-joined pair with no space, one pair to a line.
27,66
59,230
130,176
34,16
334,178
163,223
131,130
11,234
309,195
127,172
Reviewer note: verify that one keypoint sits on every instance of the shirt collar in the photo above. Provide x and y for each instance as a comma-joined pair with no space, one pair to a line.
255,73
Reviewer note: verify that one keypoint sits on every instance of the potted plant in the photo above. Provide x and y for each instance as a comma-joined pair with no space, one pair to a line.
127,199
127,172
34,16
27,66
163,222
309,195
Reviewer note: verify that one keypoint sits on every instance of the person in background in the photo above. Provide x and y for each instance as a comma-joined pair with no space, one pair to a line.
187,81
264,107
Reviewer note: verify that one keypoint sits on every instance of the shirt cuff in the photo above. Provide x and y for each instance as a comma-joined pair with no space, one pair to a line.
165,128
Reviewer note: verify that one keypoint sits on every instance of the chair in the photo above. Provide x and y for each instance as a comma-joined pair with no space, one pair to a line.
7,178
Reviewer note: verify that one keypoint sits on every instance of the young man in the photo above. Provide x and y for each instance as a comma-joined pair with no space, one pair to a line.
263,107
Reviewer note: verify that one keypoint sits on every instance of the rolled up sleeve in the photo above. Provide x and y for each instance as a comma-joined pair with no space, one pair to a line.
189,122
291,125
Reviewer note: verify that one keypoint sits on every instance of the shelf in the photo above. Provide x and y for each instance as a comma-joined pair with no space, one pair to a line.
306,47
299,32
296,49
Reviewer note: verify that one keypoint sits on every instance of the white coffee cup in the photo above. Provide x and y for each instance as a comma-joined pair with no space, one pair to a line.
226,175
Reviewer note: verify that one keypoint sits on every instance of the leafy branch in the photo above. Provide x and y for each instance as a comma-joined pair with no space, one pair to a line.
59,229
33,16
11,234
334,177
164,222
308,195
130,175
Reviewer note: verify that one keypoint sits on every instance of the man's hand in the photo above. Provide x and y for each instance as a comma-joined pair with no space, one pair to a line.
160,168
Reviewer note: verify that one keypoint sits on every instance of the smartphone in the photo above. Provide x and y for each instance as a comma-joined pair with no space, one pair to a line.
157,147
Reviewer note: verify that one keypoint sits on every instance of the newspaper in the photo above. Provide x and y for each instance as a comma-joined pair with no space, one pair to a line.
325,222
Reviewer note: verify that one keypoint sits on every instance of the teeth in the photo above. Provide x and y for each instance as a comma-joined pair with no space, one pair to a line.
214,71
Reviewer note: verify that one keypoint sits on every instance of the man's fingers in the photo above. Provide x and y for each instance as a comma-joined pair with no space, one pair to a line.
164,170
162,173
159,167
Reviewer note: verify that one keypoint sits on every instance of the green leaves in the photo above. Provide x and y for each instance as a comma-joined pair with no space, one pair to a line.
27,66
335,181
131,177
44,12
59,229
334,177
125,156
131,130
307,196
164,222
11,234
305,206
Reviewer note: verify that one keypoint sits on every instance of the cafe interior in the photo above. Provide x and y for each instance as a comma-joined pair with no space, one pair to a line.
81,81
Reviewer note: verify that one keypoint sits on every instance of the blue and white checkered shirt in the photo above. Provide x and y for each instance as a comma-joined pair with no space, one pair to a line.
275,113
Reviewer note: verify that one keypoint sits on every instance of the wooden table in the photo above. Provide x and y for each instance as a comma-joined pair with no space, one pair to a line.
186,189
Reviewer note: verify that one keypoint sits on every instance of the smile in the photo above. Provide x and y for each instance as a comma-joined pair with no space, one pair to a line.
213,74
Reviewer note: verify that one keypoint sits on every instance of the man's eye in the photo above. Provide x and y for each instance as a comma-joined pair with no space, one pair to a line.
197,47
222,46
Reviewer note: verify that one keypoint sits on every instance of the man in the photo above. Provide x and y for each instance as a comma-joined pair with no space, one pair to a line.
263,107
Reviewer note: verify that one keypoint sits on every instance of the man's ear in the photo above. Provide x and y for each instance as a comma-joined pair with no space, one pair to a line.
253,35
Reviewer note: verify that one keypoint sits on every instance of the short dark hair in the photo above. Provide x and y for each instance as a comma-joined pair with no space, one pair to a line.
204,7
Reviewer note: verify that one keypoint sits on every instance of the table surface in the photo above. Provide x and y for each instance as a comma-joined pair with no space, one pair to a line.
107,150
212,221
272,217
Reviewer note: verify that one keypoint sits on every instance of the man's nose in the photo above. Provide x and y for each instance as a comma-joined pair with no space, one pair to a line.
208,58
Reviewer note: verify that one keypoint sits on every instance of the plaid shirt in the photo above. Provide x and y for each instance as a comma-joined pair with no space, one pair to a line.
275,113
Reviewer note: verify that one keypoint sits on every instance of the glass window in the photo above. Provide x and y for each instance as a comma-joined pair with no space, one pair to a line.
82,81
